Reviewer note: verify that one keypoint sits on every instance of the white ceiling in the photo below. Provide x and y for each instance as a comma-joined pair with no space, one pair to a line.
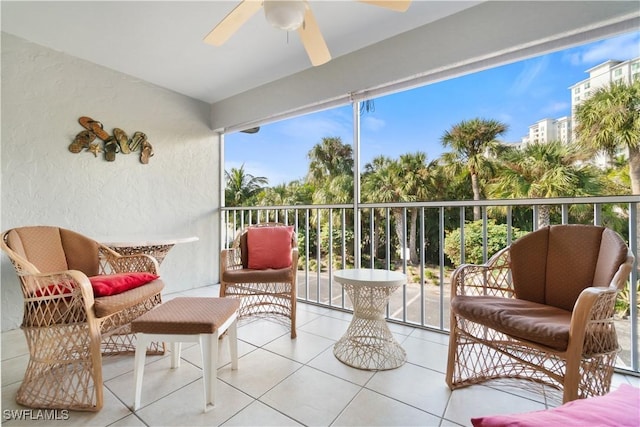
161,42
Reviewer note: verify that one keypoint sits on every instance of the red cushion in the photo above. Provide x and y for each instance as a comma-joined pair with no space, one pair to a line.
618,408
269,247
52,290
113,284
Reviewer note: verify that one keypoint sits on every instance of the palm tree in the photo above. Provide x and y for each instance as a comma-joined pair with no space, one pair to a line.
417,185
241,186
328,159
544,170
382,183
331,171
472,141
609,120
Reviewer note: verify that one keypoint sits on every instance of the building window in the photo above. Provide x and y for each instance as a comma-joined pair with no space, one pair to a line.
617,72
587,85
576,90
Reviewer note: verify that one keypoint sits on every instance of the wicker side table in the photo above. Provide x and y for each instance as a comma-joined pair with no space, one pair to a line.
368,342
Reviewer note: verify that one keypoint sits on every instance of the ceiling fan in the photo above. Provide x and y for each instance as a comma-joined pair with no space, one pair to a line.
288,15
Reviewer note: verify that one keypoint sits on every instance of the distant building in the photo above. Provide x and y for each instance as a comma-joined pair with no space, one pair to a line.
601,75
547,130
564,129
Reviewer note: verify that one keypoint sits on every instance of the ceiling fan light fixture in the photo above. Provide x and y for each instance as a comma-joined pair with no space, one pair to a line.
285,15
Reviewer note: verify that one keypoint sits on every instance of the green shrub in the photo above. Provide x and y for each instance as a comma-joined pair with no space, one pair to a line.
496,240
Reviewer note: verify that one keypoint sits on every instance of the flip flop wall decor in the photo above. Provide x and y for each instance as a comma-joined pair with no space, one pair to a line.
119,142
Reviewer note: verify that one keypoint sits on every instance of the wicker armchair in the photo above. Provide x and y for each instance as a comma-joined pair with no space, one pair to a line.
541,309
265,291
66,327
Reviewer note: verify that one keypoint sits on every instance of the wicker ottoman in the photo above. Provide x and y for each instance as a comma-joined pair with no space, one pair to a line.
179,320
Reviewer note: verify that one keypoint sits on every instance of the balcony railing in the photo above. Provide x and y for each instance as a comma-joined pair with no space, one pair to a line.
368,235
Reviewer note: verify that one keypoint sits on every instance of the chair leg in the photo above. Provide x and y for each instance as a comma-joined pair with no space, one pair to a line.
293,316
64,354
451,358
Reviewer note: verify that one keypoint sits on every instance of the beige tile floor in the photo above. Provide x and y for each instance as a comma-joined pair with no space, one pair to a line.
284,382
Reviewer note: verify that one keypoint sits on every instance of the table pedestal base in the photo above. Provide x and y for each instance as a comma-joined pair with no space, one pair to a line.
368,342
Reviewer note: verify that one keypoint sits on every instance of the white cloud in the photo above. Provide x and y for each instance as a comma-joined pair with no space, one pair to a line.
373,124
313,128
622,48
532,69
556,107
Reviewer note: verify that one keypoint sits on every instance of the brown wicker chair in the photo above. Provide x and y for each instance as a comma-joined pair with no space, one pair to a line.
66,327
541,309
263,292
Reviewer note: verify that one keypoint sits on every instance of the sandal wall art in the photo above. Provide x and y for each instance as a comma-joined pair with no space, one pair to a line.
119,142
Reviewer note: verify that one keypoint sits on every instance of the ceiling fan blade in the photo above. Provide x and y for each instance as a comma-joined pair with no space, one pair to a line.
230,24
397,5
312,40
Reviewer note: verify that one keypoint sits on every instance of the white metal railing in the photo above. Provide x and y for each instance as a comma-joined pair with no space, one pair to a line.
424,301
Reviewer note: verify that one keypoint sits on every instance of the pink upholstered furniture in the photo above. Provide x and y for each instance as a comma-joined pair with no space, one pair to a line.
66,326
541,309
619,408
266,286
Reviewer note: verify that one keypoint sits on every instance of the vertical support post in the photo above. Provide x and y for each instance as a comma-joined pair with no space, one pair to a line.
222,241
356,184
633,285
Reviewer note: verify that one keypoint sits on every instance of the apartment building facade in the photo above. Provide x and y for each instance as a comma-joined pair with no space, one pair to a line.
601,75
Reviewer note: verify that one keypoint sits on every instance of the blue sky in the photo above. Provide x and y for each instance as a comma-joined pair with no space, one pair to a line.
517,94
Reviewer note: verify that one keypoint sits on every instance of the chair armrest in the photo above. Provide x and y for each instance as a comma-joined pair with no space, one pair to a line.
129,263
64,297
294,259
230,259
490,279
592,330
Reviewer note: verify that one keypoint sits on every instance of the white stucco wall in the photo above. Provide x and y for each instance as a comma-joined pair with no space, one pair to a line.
44,92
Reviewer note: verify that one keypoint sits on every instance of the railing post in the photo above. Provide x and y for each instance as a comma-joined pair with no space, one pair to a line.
633,285
485,237
462,224
441,259
597,214
356,184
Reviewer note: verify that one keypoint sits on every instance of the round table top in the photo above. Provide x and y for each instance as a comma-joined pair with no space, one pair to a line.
370,277
119,242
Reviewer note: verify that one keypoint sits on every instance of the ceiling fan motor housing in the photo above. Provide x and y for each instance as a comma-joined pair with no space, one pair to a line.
286,15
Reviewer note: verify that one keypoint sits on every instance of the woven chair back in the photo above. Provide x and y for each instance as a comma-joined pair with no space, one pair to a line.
554,264
52,249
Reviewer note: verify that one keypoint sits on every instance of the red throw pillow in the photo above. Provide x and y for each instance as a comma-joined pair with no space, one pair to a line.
269,247
618,408
113,284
